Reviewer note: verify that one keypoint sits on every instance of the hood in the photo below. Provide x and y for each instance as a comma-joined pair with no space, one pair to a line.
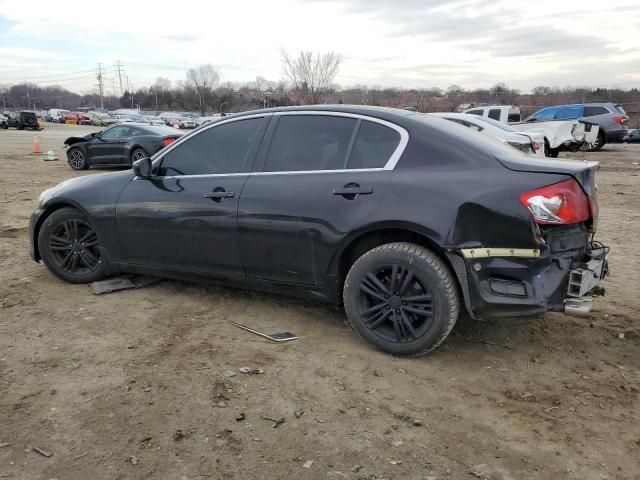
86,138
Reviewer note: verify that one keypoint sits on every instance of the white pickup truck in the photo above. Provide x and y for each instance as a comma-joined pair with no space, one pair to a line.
559,135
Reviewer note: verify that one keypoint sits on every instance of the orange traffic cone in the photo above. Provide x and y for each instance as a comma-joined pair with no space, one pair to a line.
36,145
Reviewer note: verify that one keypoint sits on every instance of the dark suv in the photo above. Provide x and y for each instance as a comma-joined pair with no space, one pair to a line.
22,120
610,117
403,218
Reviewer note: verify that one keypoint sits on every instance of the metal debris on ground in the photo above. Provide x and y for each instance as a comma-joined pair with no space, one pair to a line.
122,283
42,452
298,413
276,337
4,445
240,417
307,464
276,421
77,457
251,370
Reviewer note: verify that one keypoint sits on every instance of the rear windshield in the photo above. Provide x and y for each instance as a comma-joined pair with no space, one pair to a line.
28,114
162,130
476,140
500,125
620,109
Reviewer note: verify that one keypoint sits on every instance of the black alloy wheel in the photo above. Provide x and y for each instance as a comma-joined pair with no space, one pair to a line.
401,298
394,303
77,160
70,248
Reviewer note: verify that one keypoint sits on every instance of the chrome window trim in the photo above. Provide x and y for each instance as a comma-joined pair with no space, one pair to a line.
389,166
204,128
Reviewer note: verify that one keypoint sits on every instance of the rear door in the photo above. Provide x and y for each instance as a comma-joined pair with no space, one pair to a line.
317,177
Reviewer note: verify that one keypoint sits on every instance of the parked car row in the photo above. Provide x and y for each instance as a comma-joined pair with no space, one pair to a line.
587,126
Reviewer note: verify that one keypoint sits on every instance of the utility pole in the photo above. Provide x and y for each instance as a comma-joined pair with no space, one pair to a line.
130,90
119,69
101,86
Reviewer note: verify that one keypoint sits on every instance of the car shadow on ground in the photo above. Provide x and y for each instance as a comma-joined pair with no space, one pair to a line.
504,334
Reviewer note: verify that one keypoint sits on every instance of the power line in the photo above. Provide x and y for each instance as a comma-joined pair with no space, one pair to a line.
49,77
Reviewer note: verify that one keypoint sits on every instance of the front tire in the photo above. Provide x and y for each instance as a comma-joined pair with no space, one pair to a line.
401,298
77,159
70,248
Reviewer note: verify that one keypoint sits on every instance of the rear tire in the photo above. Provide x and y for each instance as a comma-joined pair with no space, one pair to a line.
401,298
70,248
597,145
138,154
77,159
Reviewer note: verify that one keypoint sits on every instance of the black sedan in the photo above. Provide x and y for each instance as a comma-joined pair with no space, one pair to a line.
403,218
119,145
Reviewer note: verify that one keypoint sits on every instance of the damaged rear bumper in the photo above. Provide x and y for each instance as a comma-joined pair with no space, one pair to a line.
516,282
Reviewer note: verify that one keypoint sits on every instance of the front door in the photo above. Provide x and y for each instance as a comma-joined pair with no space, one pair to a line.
185,217
320,176
108,147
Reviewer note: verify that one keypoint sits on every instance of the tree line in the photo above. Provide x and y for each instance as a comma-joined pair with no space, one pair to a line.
307,78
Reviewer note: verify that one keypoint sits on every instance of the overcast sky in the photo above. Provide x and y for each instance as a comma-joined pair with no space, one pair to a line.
404,43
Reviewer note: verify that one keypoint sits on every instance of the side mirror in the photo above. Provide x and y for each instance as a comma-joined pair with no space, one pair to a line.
142,168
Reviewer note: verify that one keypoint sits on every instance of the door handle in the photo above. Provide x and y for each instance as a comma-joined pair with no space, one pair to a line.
218,195
352,189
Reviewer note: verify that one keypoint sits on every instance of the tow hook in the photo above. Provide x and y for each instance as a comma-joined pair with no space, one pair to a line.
578,307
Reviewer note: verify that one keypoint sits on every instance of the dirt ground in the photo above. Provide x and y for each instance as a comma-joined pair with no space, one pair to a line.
131,385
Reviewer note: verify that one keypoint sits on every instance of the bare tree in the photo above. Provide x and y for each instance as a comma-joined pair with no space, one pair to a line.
162,84
310,74
202,80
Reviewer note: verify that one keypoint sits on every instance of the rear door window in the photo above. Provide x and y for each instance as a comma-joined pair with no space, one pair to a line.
475,112
590,111
569,112
374,145
311,142
494,113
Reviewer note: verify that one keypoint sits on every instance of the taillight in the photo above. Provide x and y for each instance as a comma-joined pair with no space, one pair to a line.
622,119
168,141
560,203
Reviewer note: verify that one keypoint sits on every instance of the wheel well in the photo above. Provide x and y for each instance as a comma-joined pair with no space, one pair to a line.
376,238
43,217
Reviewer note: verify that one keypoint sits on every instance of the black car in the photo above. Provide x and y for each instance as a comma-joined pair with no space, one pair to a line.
118,145
403,218
22,120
